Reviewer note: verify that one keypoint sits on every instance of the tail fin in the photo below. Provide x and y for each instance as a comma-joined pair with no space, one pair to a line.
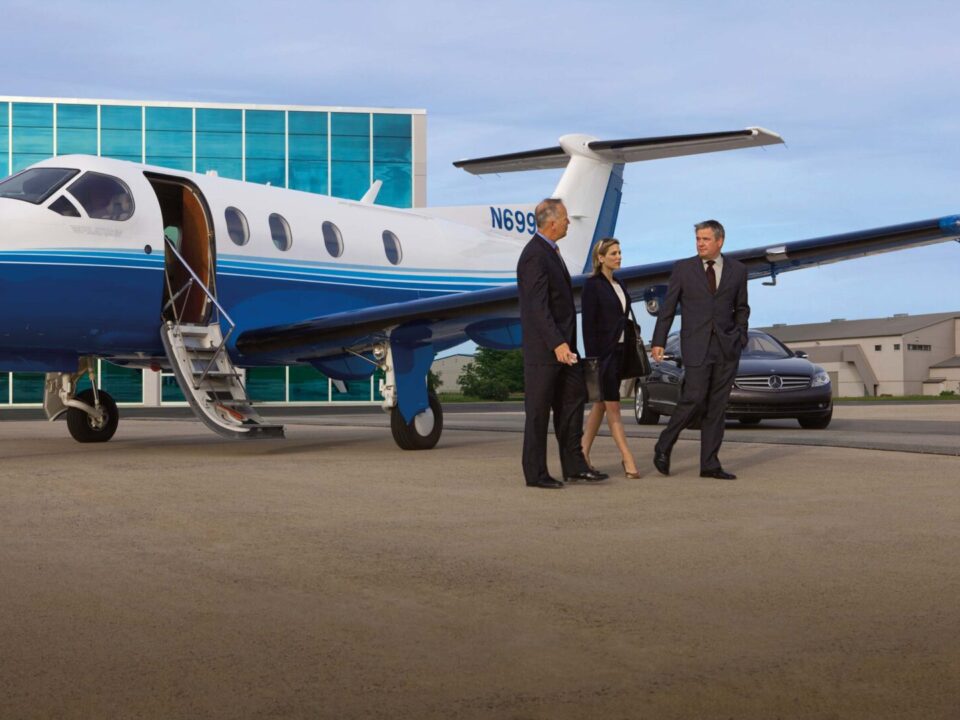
591,185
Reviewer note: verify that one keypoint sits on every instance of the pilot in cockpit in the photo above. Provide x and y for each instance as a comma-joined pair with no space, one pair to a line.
120,207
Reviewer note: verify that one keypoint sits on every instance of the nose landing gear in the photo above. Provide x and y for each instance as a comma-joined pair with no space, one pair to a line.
92,415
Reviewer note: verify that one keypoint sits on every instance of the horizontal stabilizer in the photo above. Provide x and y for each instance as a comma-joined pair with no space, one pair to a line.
621,151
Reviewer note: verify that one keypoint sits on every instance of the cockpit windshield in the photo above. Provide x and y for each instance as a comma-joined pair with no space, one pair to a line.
35,184
103,197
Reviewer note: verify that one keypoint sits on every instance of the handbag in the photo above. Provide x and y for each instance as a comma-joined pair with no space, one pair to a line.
635,361
591,378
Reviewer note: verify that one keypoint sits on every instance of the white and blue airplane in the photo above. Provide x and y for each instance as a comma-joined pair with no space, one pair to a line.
151,267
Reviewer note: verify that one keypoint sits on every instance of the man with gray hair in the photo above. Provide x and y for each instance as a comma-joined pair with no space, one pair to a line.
713,292
552,379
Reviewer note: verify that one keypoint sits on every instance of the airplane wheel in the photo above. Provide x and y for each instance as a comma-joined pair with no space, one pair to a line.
642,412
423,432
86,429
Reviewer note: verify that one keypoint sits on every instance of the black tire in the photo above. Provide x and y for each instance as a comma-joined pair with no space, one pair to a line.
410,437
641,407
84,428
749,421
818,422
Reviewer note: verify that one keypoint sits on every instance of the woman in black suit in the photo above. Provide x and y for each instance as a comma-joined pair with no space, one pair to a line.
606,308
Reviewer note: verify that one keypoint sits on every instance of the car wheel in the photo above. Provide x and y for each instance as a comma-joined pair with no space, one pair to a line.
641,407
749,421
818,422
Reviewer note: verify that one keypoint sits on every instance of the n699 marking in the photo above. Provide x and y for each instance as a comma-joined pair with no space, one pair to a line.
512,220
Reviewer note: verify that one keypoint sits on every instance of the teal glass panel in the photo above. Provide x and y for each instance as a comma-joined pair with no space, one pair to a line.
266,154
28,387
357,390
76,129
266,384
32,134
121,132
393,159
220,142
308,384
124,384
170,137
169,390
308,151
4,388
350,154
4,139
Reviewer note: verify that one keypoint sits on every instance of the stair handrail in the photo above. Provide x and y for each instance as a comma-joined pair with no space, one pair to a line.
199,282
195,279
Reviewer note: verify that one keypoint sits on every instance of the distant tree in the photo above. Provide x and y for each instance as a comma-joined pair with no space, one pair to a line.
493,374
433,381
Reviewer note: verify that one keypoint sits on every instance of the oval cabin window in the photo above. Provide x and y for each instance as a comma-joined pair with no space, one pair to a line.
391,246
280,232
237,226
332,239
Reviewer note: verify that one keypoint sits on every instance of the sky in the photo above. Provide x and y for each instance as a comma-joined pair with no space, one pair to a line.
864,93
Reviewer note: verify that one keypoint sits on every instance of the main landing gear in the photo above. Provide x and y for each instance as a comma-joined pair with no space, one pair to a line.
92,415
416,416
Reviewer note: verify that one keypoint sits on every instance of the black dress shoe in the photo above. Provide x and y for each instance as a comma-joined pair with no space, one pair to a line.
661,461
718,474
547,483
588,476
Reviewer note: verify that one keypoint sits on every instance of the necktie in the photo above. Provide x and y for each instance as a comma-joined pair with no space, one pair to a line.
711,277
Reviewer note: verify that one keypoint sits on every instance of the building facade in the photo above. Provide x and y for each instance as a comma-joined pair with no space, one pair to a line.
899,355
326,150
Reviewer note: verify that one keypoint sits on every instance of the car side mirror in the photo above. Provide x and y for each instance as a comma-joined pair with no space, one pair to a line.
800,354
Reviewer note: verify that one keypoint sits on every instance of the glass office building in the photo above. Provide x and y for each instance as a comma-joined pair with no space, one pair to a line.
326,150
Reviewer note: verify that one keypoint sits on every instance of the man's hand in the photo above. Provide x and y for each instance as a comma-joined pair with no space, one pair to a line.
564,355
656,352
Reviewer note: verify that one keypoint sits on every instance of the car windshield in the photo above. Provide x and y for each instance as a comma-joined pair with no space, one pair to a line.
765,346
36,184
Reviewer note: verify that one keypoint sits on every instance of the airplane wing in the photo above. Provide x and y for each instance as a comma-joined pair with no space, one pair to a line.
491,317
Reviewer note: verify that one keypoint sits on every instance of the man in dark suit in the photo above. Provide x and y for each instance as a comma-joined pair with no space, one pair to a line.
552,379
712,290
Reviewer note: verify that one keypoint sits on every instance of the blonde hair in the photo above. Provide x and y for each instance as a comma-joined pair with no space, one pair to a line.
601,249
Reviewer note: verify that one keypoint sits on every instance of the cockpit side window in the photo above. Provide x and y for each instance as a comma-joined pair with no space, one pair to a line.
62,206
34,185
103,197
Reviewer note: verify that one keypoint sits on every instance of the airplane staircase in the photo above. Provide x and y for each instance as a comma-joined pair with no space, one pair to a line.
210,382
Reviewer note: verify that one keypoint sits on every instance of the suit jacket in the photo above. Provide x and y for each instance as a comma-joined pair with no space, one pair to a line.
703,313
548,315
603,317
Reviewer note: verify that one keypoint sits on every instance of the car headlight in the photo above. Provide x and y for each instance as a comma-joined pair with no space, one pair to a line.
820,377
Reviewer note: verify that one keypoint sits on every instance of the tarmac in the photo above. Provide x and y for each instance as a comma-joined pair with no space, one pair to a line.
173,574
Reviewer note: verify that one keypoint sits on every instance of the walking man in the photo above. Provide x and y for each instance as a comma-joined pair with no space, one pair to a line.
712,291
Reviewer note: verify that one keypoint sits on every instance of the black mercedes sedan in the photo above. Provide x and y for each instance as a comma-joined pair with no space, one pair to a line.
772,382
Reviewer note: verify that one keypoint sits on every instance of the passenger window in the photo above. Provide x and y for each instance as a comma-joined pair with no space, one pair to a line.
237,226
332,239
103,197
280,232
391,246
62,206
35,184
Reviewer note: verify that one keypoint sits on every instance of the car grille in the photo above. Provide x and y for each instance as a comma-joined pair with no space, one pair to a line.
772,383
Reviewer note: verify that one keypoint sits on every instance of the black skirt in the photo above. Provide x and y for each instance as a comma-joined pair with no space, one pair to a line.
611,369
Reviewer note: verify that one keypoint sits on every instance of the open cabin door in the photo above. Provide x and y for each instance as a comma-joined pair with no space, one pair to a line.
188,229
191,316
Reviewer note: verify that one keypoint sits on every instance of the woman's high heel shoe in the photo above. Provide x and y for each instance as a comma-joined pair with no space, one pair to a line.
630,475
